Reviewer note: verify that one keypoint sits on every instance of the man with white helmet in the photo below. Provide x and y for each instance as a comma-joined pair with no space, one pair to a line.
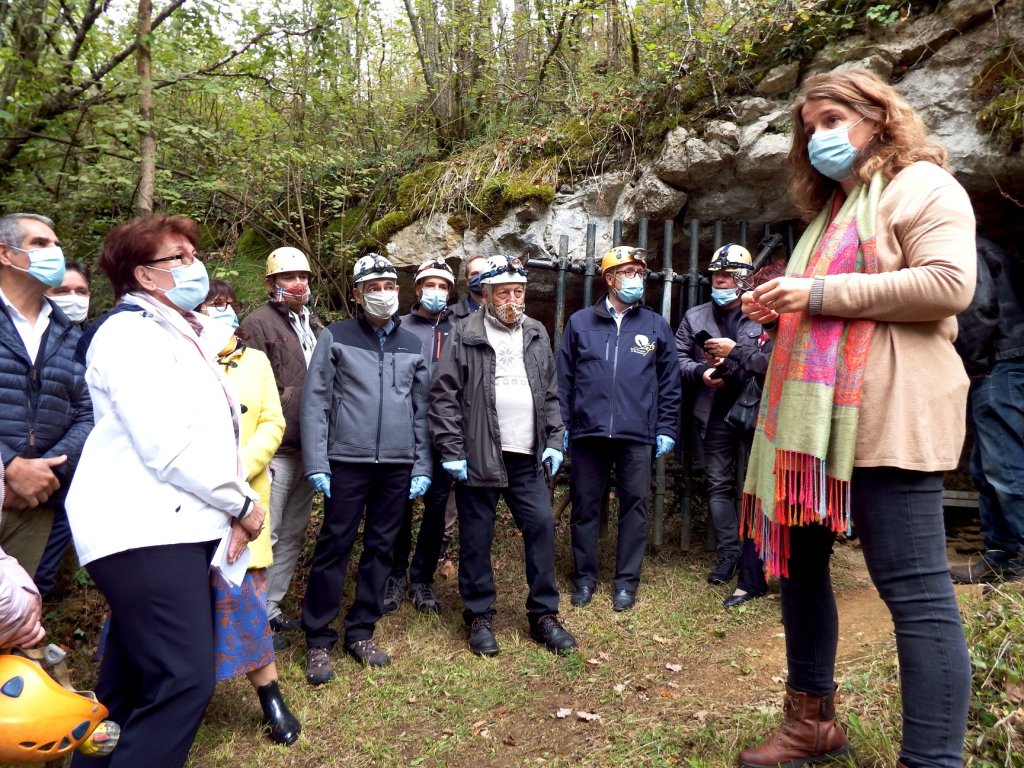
431,320
619,387
494,417
285,330
365,444
719,350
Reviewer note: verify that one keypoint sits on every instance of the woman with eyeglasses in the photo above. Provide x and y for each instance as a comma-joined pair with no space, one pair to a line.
243,643
159,486
863,409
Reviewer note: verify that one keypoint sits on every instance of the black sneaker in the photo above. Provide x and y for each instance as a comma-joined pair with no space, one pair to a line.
549,631
394,590
482,641
318,666
282,623
423,599
368,653
723,571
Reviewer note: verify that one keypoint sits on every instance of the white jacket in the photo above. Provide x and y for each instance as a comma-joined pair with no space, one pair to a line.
161,465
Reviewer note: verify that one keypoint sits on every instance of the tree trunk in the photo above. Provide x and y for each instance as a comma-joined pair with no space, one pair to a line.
147,149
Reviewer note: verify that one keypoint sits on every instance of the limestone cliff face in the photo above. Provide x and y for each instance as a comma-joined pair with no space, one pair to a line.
734,169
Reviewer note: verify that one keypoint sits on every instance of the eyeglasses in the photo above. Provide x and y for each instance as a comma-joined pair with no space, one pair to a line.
631,272
513,267
184,258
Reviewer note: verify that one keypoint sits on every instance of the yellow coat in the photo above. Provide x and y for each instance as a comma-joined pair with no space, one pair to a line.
261,428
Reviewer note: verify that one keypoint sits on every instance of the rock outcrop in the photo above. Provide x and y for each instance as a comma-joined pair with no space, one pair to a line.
734,169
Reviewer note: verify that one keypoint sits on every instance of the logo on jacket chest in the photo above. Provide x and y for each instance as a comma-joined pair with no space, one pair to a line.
642,345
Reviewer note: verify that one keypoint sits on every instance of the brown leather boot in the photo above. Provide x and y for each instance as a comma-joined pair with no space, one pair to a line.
808,735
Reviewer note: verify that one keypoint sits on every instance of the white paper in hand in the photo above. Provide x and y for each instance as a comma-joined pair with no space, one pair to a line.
233,572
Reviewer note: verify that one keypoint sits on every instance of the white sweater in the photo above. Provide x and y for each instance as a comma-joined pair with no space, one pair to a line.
161,465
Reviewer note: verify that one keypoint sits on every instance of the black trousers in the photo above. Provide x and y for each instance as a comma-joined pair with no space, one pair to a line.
428,543
381,490
592,462
157,675
527,497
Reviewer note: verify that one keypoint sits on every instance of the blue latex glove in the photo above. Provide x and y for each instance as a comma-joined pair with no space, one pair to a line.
665,445
555,457
565,441
321,482
418,486
458,469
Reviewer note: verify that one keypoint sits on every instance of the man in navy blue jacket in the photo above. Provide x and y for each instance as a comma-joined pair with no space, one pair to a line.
44,402
620,391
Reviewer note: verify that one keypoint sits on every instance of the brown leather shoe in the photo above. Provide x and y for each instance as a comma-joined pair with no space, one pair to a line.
808,735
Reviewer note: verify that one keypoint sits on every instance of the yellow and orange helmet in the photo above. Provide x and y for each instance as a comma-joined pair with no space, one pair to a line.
623,254
40,720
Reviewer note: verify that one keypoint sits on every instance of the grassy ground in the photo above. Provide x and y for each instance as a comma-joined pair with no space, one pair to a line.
678,681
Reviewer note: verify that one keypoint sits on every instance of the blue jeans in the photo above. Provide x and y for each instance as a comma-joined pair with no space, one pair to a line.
725,450
997,461
899,517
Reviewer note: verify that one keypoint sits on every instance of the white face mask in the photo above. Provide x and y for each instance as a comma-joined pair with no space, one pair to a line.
380,305
71,304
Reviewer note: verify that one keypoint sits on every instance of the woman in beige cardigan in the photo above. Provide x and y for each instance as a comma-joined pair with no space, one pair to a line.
863,409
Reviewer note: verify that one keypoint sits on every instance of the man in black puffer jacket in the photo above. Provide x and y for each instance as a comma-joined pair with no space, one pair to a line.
44,402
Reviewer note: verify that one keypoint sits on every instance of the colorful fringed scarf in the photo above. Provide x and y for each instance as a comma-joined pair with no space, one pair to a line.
802,458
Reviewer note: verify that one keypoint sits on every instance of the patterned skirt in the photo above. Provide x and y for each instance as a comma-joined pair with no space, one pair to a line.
241,633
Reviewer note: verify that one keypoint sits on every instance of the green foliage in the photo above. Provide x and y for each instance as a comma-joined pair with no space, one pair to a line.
504,191
382,229
995,635
252,246
884,14
1000,85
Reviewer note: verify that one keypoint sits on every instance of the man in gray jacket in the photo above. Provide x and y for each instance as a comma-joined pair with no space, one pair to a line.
494,417
365,446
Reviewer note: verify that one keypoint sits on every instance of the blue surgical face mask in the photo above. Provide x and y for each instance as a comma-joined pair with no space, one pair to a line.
434,300
191,285
227,315
723,296
475,287
831,152
631,290
44,264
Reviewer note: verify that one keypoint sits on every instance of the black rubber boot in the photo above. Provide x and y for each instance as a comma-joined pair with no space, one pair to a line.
283,725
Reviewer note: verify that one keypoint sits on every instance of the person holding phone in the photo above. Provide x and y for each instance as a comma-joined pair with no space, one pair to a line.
718,351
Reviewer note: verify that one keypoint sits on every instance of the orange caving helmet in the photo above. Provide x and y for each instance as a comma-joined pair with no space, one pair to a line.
40,720
623,254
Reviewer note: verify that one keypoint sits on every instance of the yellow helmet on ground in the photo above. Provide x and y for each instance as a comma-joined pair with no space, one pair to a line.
39,719
731,258
623,254
286,259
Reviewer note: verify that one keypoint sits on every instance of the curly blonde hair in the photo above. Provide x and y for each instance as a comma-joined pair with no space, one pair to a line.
901,140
